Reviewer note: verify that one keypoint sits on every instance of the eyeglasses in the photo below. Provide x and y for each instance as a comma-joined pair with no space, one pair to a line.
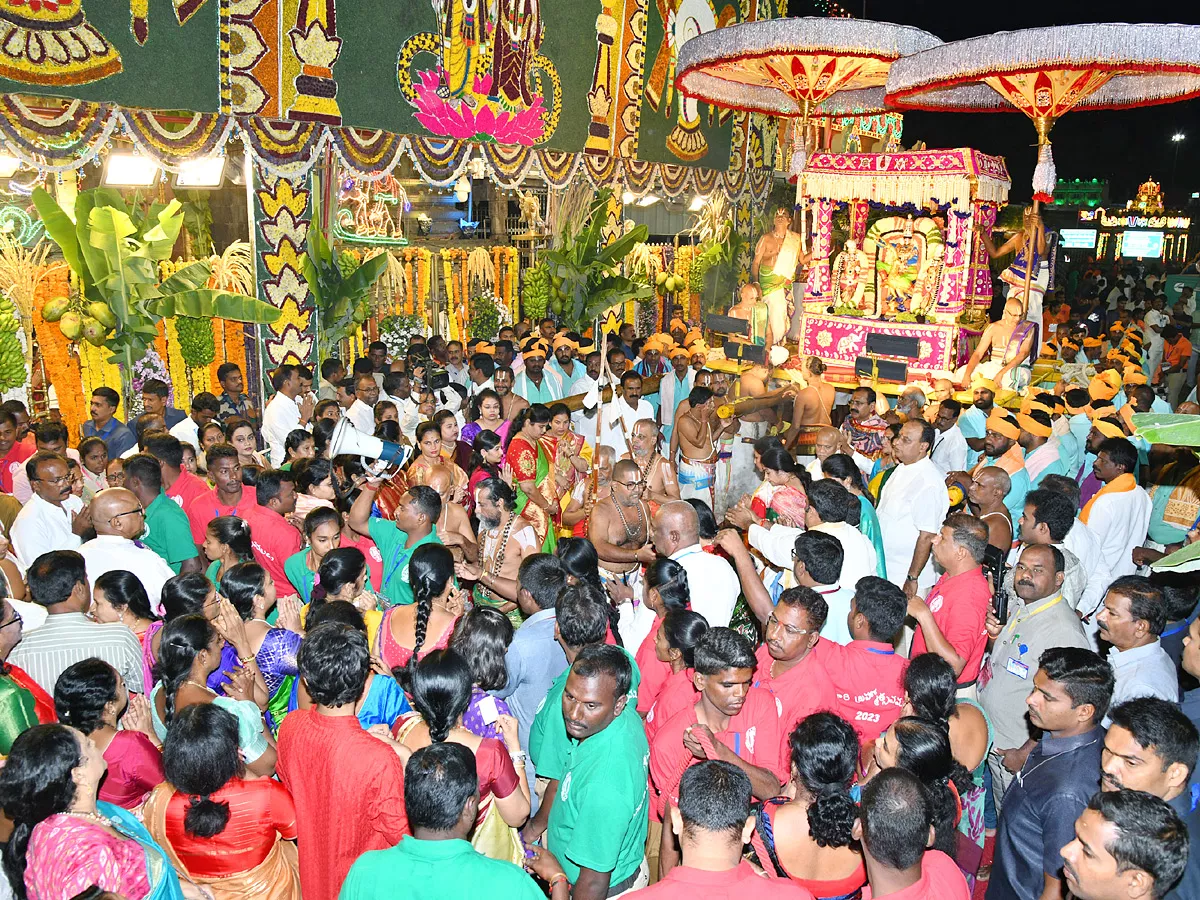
788,629
57,482
631,484
15,620
138,511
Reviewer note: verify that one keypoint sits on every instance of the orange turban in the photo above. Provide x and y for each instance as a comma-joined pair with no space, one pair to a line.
1002,423
1105,385
1032,425
1109,428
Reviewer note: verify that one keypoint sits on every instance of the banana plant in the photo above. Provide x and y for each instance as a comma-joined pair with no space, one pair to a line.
589,269
115,258
341,297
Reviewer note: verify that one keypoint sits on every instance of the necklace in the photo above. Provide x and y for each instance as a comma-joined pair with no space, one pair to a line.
203,687
496,563
90,817
264,621
645,470
1022,774
630,533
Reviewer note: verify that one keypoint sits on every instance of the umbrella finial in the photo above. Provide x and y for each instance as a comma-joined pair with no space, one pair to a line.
1044,175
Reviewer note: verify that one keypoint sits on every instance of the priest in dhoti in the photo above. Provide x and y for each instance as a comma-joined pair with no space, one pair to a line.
913,504
776,258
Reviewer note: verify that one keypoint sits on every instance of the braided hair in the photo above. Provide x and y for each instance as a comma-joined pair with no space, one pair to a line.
824,756
923,748
441,691
670,579
429,571
582,563
200,756
183,639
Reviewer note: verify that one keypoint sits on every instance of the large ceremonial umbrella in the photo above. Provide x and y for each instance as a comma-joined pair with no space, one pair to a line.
797,68
1046,72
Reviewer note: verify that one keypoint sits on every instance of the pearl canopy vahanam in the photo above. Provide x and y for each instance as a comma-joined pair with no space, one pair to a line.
1045,72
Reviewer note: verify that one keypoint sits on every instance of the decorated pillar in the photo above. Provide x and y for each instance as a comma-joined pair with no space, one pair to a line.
952,297
283,211
979,273
859,210
819,276
317,46
601,103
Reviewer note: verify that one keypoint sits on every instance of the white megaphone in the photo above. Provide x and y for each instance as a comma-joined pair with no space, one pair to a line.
377,454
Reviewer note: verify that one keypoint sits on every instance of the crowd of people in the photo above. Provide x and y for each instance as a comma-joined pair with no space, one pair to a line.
727,632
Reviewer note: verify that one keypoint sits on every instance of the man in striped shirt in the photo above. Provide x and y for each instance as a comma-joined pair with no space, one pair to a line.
58,581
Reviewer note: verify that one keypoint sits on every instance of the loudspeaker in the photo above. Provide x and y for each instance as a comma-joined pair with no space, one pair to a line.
377,455
894,345
727,325
889,370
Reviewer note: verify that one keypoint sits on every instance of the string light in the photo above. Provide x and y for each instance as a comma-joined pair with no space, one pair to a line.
832,9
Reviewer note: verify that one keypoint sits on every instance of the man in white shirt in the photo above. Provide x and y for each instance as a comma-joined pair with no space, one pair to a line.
712,581
949,444
50,436
583,420
1132,618
456,367
1156,320
622,413
205,407
119,518
53,518
362,411
397,387
284,414
912,507
1119,513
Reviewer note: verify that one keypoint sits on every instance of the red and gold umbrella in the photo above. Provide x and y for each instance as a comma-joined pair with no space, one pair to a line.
1046,72
798,68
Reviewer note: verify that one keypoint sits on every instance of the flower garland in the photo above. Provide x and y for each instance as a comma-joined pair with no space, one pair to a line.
448,276
683,297
514,276
60,365
177,368
152,366
408,275
424,262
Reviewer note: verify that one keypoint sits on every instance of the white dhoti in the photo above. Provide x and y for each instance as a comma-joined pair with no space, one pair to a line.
776,284
1016,379
697,478
736,476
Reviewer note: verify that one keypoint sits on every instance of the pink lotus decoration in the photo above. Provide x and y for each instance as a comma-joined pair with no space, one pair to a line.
485,122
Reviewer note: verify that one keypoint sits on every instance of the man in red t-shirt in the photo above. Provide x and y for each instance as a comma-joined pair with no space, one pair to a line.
181,486
712,823
229,498
895,826
732,721
786,666
952,620
272,537
347,784
13,453
867,675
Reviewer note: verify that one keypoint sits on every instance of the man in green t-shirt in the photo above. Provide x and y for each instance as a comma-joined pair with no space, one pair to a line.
597,823
415,523
437,861
167,530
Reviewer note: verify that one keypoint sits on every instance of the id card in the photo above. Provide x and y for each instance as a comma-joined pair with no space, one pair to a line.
1018,668
488,711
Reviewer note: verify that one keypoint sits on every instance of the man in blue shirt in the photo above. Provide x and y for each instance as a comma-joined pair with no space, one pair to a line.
105,425
1071,693
534,658
155,394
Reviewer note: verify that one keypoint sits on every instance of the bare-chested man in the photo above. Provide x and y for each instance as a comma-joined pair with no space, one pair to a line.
661,485
943,389
699,431
580,507
704,379
509,402
778,257
986,494
453,525
812,404
504,540
619,529
1004,350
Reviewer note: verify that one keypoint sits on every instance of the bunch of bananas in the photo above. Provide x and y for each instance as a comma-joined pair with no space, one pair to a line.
536,296
347,262
196,344
93,321
700,265
12,358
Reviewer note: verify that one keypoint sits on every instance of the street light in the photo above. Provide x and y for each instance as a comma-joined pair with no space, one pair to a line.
1177,138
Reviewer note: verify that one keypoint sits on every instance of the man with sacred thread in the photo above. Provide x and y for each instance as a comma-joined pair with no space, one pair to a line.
777,261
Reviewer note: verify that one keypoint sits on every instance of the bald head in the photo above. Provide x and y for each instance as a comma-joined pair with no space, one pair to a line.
943,388
676,526
117,511
828,442
989,487
1188,408
626,470
441,480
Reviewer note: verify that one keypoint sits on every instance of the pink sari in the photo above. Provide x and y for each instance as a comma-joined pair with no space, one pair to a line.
787,507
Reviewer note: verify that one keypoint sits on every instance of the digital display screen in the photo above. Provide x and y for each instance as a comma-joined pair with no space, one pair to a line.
1143,244
1078,238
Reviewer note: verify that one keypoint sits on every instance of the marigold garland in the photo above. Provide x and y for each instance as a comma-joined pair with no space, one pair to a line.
61,367
175,365
424,271
235,347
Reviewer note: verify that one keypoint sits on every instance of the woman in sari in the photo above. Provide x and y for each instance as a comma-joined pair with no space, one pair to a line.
251,590
666,590
531,455
428,622
64,839
572,454
226,543
429,447
118,596
789,499
190,652
453,449
487,459
323,532
842,469
91,696
441,695
343,576
244,436
314,486
488,413
881,471
233,835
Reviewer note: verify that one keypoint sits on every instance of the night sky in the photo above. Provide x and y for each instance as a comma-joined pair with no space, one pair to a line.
1124,147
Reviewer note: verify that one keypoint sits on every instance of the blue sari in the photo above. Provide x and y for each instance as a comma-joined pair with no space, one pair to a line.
164,880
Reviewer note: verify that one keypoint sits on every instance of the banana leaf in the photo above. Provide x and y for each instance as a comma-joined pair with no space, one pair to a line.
364,276
61,230
1168,428
210,304
1185,559
189,278
160,240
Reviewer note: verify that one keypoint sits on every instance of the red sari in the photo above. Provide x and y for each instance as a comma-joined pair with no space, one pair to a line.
535,462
